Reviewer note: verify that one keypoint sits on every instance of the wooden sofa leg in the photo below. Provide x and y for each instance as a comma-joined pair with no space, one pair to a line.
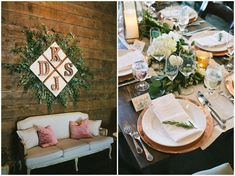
110,152
76,164
28,171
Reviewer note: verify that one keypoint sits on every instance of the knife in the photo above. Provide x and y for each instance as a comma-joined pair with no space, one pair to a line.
202,99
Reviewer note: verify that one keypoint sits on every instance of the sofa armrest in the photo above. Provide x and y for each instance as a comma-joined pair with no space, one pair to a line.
22,149
103,132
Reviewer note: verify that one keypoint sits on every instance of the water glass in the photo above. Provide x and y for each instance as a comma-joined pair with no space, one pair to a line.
213,77
140,72
171,71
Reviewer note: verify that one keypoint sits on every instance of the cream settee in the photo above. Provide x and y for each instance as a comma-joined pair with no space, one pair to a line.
67,148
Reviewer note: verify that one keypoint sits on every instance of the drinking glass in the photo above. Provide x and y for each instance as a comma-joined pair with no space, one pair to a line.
183,19
140,72
187,68
213,77
154,33
230,51
171,71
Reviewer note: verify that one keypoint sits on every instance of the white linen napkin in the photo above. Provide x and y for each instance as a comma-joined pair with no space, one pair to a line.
214,39
168,108
125,62
174,12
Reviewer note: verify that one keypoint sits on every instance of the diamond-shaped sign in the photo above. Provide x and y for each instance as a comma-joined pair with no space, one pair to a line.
54,69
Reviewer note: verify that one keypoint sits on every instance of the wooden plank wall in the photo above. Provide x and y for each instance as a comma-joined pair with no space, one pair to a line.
95,23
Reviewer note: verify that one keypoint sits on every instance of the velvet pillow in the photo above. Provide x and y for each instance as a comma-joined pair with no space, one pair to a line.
46,136
79,130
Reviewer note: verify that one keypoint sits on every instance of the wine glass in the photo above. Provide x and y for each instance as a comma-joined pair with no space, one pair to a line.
187,68
230,51
140,72
213,77
183,19
171,71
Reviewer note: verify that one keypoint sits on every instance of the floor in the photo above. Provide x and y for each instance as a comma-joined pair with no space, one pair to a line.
98,163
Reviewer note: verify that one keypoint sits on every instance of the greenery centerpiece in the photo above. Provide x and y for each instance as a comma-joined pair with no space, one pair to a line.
167,46
36,43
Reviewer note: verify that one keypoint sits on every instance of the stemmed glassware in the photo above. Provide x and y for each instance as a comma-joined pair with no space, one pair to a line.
140,72
230,51
187,68
171,71
213,77
183,19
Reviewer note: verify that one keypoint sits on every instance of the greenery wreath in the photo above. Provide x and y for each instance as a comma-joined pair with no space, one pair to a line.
36,43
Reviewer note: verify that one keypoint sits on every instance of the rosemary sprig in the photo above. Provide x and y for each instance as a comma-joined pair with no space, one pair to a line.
220,36
186,125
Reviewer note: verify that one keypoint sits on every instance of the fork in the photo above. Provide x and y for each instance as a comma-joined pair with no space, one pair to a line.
149,157
128,130
226,96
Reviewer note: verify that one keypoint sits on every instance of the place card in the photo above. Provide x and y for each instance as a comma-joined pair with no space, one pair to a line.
141,102
138,45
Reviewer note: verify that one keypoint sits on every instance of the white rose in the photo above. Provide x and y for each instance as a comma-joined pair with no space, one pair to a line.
185,48
175,60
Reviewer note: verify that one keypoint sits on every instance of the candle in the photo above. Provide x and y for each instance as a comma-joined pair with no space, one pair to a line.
203,58
131,23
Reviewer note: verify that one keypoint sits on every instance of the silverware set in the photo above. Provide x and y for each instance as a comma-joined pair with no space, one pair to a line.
135,136
203,100
188,34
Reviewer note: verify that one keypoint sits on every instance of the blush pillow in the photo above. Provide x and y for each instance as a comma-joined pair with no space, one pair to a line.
79,130
46,136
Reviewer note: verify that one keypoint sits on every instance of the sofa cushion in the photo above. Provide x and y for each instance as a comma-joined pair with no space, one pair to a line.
37,155
72,146
58,122
98,141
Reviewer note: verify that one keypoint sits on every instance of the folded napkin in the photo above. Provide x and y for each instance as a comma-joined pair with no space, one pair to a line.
168,108
216,39
125,62
174,12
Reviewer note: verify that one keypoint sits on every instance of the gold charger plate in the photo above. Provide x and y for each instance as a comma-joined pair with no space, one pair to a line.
182,149
229,83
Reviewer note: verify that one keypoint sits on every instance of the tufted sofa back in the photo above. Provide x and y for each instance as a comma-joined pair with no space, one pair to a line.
58,122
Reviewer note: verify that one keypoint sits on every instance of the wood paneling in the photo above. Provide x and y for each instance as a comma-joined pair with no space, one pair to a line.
95,24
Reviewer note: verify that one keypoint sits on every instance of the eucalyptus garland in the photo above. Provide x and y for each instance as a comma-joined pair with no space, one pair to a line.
36,43
148,22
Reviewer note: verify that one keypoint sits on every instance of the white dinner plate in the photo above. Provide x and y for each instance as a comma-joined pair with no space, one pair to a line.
155,131
219,48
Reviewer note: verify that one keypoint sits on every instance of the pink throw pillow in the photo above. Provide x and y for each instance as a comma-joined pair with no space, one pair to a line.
79,130
46,136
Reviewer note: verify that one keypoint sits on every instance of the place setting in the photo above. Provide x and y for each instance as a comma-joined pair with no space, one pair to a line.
178,97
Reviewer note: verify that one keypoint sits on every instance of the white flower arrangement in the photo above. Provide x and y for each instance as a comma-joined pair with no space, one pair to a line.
175,60
164,45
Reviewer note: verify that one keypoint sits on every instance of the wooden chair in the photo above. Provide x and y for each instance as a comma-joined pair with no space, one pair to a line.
220,10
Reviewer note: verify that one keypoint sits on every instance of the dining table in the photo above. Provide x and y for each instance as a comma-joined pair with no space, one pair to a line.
128,115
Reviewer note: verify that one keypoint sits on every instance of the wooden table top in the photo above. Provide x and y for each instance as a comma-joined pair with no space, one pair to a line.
127,114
